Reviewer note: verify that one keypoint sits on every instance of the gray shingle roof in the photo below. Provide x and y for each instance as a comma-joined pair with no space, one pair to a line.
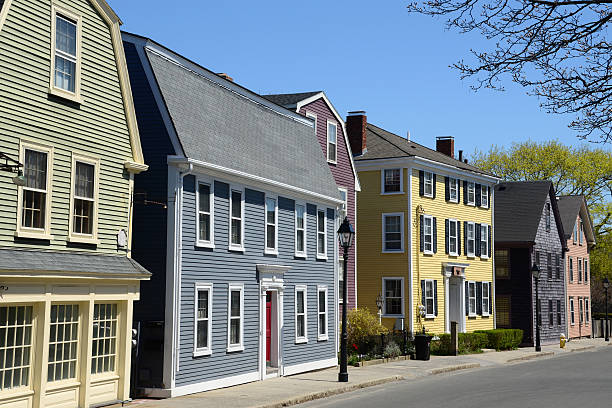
569,208
64,262
382,144
225,125
289,100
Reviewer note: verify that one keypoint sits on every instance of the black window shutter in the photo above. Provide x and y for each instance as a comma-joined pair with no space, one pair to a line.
465,234
479,298
478,193
467,298
423,292
421,183
435,235
446,222
490,244
458,238
435,283
465,194
477,240
490,300
489,196
433,182
446,189
422,234
458,189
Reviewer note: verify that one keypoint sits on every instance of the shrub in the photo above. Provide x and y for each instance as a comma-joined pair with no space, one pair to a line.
468,343
392,350
503,339
362,329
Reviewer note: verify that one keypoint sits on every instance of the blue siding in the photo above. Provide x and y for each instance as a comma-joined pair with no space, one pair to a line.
221,267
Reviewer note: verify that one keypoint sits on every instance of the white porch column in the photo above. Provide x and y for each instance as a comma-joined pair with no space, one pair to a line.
85,356
446,306
124,348
41,351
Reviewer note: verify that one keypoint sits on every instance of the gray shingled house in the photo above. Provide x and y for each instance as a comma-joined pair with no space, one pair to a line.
529,230
244,258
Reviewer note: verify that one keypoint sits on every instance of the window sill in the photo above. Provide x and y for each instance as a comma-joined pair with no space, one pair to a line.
322,257
59,385
300,255
472,315
471,204
428,316
20,392
392,193
234,349
102,377
203,244
301,341
393,252
484,257
453,201
486,207
83,240
486,315
200,353
430,253
453,254
428,196
34,235
322,338
236,248
471,256
60,93
271,252
332,162
392,316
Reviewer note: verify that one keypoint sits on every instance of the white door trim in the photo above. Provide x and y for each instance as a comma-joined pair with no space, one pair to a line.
276,286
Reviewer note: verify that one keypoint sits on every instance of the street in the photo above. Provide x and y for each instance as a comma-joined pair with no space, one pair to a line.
560,382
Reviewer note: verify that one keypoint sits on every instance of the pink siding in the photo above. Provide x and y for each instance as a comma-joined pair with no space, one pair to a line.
343,174
577,289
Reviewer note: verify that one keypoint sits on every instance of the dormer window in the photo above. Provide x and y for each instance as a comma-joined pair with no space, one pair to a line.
332,144
65,54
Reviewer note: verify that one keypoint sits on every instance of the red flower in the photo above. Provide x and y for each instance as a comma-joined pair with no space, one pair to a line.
354,346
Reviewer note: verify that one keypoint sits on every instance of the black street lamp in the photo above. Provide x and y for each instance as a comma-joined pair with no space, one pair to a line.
535,271
606,285
345,236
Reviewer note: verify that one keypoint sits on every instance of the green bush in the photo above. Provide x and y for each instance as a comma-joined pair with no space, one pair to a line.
503,339
468,343
392,350
362,329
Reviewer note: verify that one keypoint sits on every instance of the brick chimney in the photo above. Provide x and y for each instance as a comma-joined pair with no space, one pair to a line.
446,145
225,76
356,123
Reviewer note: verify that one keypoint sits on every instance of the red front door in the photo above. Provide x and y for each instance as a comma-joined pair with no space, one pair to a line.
268,324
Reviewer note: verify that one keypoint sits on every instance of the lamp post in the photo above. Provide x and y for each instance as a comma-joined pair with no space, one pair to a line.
535,271
379,305
345,236
606,285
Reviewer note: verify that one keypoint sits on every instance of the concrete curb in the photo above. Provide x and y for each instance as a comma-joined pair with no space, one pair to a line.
582,348
329,393
453,368
531,356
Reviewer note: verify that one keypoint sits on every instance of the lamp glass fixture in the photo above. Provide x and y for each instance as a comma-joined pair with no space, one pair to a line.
346,233
535,270
606,283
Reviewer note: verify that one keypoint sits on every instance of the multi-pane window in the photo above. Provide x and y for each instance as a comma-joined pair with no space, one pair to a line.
472,298
205,197
84,200
271,224
581,310
104,338
559,318
322,312
575,236
484,196
15,346
580,233
485,298
393,232
502,264
332,145
65,53
484,240
300,230
471,238
428,184
453,237
551,314
579,261
471,193
427,234
502,311
429,298
34,200
570,260
321,234
549,267
393,296
453,190
300,314
572,317
587,316
343,208
392,180
237,216
63,342
235,320
547,217
203,319
586,271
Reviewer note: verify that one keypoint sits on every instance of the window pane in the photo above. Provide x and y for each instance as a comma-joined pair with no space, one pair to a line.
35,169
202,340
235,331
300,216
237,232
300,241
301,326
235,305
84,180
104,338
15,343
83,217
392,180
205,227
65,319
322,305
270,211
300,302
321,221
202,304
204,198
270,236
65,74
65,36
236,204
322,328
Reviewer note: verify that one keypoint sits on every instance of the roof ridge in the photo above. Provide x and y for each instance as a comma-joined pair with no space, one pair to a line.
388,141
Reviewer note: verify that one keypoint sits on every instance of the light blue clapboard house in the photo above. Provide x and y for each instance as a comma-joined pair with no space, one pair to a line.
236,219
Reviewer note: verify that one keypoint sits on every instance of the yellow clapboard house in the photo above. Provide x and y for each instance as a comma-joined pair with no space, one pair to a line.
425,232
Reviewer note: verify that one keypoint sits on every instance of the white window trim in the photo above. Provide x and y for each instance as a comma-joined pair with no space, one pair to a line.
433,298
36,233
332,122
323,255
234,247
232,287
467,237
304,339
322,337
301,254
473,184
384,291
267,250
486,239
572,312
470,313
454,181
570,267
93,237
433,181
457,226
384,232
587,313
484,195
203,351
201,242
343,189
382,181
485,312
53,90
425,250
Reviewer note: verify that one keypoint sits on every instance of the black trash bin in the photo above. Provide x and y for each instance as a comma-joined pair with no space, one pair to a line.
422,344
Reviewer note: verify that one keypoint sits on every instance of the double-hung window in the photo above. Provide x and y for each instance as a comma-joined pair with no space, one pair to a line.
484,240
392,181
332,143
502,264
429,295
549,266
471,193
35,193
203,319
428,184
453,190
63,342
453,237
235,319
579,261
551,313
580,233
15,347
321,234
393,297
236,219
428,234
472,298
65,54
84,200
484,196
300,230
586,271
570,261
301,315
343,207
581,310
271,225
575,237
393,232
205,214
547,217
559,313
486,301
322,313
470,238
587,316
572,317
557,266
104,338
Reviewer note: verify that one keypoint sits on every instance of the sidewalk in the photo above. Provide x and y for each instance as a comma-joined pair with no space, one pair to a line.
286,391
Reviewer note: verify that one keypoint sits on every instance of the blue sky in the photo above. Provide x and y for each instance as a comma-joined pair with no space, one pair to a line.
365,55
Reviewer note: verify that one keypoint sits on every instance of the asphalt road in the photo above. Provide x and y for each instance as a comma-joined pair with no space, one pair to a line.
576,380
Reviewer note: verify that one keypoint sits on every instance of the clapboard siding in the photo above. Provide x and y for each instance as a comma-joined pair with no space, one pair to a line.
221,267
96,127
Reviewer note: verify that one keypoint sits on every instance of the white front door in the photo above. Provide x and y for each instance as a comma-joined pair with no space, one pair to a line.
456,303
